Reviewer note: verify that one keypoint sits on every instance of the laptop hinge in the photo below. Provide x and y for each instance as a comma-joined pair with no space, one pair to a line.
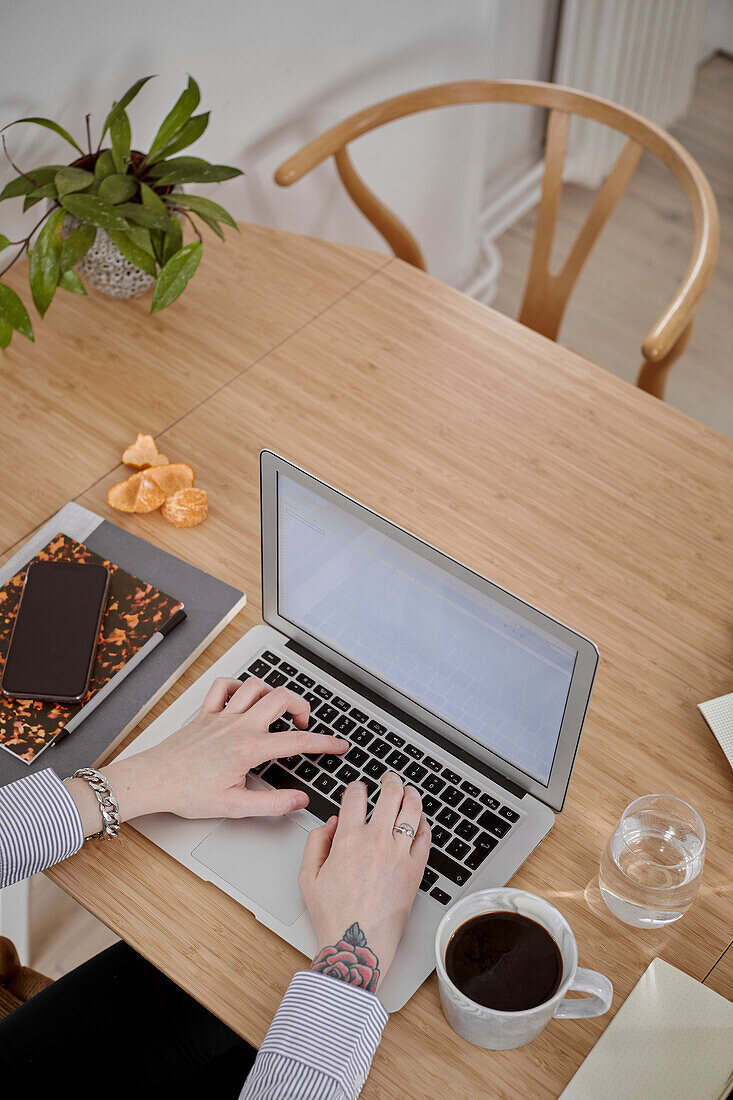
407,719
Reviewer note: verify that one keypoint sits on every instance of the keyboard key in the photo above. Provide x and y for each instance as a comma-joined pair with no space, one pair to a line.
312,698
415,771
347,774
360,736
338,794
447,867
330,763
325,730
377,727
395,739
356,756
470,788
305,680
494,824
510,815
279,726
397,760
379,748
452,777
327,713
273,658
440,895
289,670
259,768
485,842
318,804
291,762
466,829
276,679
458,848
375,768
296,687
471,808
429,879
452,796
324,782
492,803
430,805
339,703
258,669
343,724
322,691
414,752
432,763
307,770
433,783
359,716
447,817
475,858
440,836
372,788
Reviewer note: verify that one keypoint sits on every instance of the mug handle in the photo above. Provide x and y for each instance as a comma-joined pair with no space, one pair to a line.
586,981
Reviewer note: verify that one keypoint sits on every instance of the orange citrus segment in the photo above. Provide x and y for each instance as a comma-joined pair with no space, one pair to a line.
172,478
186,508
149,496
143,452
138,493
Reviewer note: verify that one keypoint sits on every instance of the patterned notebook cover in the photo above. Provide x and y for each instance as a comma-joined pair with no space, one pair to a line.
135,610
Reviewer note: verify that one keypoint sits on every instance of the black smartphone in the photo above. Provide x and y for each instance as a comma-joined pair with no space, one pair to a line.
56,631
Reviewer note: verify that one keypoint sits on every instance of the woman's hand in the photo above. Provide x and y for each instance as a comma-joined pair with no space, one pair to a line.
200,770
359,881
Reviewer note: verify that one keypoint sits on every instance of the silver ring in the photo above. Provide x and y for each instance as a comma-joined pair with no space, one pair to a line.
403,829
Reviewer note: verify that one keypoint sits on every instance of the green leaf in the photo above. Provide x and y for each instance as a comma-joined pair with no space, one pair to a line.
172,242
137,256
127,98
212,224
14,313
21,186
67,180
141,237
76,246
44,268
69,280
144,215
117,188
205,207
174,277
4,241
186,104
104,165
187,134
6,333
152,199
49,125
121,135
48,191
94,211
175,171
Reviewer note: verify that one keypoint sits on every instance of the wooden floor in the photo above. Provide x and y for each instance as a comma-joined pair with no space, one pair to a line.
640,258
631,274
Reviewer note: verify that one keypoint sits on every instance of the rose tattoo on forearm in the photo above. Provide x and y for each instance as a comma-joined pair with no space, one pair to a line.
350,960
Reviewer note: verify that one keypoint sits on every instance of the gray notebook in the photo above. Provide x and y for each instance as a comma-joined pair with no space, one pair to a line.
210,605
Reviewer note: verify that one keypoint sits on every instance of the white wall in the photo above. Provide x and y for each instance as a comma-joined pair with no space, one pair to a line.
277,72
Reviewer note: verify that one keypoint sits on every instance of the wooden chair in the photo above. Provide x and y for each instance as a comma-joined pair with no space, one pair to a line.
17,983
546,294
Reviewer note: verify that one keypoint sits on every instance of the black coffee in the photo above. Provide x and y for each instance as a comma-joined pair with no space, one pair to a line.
504,961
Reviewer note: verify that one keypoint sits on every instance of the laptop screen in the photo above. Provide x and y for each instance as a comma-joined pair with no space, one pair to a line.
456,651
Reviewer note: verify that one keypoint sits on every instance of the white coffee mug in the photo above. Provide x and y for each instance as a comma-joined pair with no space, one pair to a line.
494,1030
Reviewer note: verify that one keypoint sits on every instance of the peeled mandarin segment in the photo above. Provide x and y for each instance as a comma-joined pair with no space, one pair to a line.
123,495
139,493
186,508
172,478
149,495
143,452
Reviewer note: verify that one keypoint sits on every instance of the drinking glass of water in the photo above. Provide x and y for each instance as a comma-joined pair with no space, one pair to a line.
652,866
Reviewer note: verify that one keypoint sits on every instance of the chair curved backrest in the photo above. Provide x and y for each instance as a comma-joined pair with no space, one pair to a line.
546,294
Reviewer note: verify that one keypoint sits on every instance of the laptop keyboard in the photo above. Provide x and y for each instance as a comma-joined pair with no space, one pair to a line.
467,822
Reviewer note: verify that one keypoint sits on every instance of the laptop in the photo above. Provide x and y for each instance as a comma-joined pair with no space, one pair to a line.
469,693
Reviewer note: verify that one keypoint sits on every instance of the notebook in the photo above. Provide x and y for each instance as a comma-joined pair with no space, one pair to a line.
210,604
672,1039
135,610
718,713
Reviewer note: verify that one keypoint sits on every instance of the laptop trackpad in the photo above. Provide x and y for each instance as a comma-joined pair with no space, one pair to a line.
260,857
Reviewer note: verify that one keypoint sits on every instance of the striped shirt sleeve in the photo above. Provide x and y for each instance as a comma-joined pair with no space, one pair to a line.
320,1044
39,825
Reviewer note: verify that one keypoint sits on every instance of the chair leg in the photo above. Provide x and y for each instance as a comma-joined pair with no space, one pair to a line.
653,375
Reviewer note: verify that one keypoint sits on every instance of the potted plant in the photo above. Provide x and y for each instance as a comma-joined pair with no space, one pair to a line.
115,214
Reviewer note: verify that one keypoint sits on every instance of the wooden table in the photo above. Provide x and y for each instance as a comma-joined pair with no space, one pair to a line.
603,506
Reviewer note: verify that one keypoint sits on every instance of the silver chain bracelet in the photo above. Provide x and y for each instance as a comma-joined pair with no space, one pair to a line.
108,806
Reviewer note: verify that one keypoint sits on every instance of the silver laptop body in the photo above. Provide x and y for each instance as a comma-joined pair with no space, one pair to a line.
481,694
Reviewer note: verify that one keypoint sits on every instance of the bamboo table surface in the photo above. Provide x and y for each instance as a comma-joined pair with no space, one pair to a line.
598,503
